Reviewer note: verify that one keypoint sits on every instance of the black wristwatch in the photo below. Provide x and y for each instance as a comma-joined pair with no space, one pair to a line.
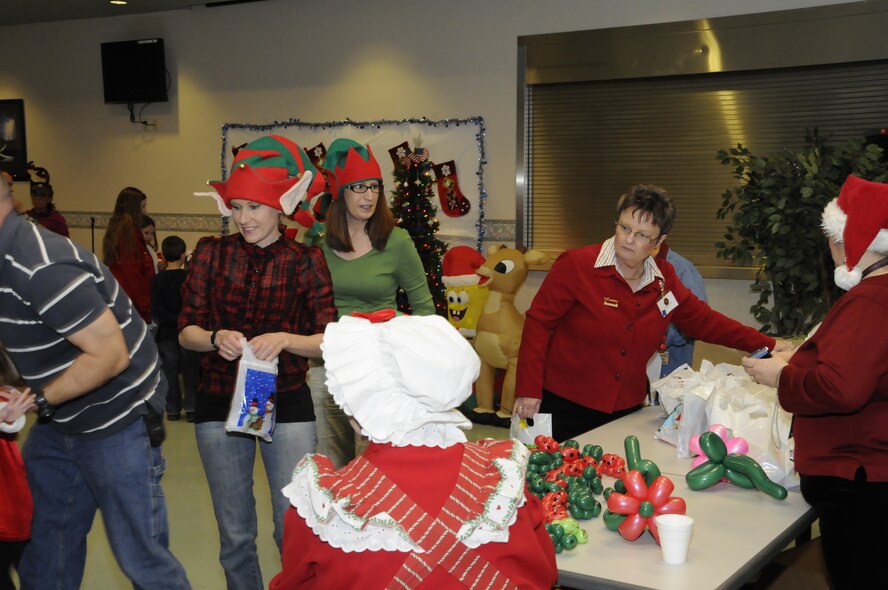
45,410
213,339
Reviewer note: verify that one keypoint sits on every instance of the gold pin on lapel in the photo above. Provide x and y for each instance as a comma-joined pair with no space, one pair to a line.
611,302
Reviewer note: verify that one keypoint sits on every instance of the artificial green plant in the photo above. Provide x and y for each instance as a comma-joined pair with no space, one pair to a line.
775,224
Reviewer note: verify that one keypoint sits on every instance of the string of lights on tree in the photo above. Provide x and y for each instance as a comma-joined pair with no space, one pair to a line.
314,127
414,211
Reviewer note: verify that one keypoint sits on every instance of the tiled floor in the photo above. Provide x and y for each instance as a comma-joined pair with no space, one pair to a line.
195,541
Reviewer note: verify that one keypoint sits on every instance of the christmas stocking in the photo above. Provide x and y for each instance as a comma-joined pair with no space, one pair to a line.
399,155
453,203
316,154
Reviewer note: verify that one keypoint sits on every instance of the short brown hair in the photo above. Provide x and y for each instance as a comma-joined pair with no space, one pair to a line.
651,201
378,227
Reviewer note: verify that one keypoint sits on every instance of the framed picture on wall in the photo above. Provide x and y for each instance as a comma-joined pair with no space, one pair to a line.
13,148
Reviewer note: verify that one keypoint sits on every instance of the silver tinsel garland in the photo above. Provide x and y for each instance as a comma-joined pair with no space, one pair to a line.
270,127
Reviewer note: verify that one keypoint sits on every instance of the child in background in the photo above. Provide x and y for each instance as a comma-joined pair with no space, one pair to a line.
166,303
125,252
16,505
149,232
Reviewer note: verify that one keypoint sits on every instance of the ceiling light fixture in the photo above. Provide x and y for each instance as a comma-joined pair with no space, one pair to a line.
118,2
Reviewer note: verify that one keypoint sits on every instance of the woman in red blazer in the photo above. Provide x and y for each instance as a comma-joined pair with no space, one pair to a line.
602,312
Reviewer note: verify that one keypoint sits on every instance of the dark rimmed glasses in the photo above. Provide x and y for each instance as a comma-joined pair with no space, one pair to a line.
362,188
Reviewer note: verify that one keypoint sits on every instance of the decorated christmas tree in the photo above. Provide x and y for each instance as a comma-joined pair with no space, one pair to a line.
413,208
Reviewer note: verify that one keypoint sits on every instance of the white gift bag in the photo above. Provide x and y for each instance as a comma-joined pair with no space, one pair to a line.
252,408
524,433
683,395
752,411
671,388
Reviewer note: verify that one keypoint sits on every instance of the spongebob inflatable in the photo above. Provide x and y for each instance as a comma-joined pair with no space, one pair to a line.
466,293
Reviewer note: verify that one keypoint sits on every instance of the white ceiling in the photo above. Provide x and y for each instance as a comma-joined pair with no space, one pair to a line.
40,11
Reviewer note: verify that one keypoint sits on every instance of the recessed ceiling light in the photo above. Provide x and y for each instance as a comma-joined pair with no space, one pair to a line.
120,2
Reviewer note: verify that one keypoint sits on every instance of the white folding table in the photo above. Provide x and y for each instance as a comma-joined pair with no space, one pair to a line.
736,531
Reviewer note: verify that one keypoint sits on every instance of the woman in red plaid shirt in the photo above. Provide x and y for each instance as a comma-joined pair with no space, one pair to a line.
275,293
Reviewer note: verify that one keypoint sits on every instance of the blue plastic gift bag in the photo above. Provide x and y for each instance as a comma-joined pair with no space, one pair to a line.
252,408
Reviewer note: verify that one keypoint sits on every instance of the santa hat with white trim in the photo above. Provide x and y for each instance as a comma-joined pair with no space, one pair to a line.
858,218
460,267
272,171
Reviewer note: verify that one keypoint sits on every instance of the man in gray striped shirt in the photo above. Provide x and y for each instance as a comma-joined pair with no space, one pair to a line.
74,336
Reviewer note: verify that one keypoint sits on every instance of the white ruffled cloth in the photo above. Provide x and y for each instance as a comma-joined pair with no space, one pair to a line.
401,379
337,520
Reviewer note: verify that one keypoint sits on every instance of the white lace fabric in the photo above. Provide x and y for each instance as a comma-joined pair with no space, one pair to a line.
335,522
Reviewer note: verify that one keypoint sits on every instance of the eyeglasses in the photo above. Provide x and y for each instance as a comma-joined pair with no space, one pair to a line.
361,188
627,231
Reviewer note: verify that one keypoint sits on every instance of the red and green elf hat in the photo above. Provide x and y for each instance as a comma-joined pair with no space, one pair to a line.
271,171
351,162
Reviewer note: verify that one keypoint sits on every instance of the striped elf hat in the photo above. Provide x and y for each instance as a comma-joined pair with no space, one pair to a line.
272,171
351,162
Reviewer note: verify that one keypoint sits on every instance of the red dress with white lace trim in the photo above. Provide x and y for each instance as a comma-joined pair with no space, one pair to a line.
434,497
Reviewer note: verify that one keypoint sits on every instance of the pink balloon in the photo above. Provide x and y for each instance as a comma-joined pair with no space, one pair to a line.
720,430
737,445
694,445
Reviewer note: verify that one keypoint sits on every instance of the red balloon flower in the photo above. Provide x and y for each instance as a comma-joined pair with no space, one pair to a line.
641,504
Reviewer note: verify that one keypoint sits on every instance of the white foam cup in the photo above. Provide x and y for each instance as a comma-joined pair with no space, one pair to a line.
675,535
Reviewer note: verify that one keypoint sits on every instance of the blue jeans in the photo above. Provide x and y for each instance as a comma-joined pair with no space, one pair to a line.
72,477
228,460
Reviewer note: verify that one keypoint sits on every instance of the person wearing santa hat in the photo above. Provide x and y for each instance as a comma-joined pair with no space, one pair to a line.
421,508
277,294
836,384
369,259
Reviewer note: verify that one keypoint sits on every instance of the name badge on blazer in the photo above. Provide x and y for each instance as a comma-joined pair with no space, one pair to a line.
611,302
667,303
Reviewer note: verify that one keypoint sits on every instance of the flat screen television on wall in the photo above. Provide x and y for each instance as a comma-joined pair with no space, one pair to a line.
134,71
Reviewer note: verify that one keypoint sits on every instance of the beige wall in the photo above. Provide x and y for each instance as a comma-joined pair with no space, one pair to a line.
280,59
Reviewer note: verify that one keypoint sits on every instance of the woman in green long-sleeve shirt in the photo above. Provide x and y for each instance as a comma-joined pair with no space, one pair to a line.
368,282
369,258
